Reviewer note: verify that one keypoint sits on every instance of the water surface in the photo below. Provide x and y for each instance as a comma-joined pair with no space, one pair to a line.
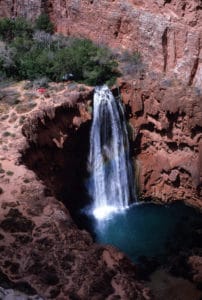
147,229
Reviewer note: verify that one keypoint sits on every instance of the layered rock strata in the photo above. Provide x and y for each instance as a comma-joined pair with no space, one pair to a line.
168,34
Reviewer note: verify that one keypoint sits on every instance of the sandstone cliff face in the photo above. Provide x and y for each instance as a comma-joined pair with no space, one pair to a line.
168,34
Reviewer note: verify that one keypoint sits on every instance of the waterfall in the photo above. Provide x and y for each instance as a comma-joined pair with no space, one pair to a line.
111,176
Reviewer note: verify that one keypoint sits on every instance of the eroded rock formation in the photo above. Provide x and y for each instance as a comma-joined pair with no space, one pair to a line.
167,122
42,251
168,34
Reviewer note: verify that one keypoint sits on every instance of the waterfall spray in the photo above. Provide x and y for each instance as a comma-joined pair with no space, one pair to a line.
111,176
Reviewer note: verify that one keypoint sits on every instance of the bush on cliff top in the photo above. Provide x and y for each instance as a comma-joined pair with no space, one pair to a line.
32,52
11,28
43,23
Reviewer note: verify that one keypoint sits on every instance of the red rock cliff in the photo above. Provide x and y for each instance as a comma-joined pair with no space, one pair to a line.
167,33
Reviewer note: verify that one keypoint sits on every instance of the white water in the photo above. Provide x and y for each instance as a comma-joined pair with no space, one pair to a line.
111,185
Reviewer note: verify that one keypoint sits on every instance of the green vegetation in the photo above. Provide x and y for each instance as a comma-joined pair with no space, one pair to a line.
11,28
33,52
131,63
6,134
9,173
1,169
43,23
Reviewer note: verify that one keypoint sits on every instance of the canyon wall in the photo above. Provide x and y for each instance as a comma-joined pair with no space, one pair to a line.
168,34
165,101
42,251
23,8
166,119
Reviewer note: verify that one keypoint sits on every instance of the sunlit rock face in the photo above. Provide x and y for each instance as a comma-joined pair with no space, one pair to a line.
42,251
167,130
167,33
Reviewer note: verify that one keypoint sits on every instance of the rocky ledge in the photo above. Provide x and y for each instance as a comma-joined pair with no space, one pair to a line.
166,119
42,251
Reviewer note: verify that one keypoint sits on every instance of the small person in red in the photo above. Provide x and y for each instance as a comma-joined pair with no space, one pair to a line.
41,90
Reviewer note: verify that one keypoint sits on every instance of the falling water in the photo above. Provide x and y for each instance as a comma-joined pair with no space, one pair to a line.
112,184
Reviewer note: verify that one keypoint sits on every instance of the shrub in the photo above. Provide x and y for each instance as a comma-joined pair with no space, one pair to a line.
22,28
9,173
33,55
43,39
43,23
131,63
41,82
6,29
10,28
87,62
7,60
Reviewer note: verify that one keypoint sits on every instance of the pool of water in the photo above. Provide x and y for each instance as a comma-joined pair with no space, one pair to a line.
148,229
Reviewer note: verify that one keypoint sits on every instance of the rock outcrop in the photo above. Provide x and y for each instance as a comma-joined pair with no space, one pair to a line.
21,8
42,251
168,34
166,118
